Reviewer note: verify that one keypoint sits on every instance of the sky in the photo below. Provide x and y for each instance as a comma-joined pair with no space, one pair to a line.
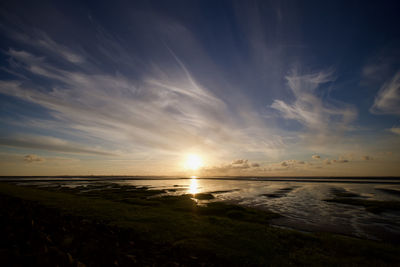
252,88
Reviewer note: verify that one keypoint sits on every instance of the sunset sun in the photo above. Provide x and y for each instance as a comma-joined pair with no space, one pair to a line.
193,162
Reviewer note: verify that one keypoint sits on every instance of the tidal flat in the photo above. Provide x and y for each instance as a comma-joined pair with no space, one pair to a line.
374,206
114,225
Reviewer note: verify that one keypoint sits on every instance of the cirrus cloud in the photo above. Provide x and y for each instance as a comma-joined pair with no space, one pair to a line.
387,100
322,118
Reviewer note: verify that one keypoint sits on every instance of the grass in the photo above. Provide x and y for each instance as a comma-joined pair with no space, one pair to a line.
176,227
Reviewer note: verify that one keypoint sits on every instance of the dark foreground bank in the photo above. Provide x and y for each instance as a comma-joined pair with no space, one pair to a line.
108,225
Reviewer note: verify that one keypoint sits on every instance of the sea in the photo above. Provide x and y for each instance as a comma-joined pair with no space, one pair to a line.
301,201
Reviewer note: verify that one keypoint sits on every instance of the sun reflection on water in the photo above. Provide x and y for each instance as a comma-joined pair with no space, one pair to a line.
193,188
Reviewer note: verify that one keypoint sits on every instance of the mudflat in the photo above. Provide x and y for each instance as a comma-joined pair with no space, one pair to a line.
127,225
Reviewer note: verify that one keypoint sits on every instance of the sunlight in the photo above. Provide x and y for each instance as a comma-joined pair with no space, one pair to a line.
193,162
193,189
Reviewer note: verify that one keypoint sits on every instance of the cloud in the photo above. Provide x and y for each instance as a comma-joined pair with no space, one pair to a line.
39,39
163,108
240,164
50,144
321,118
240,161
316,156
292,163
334,161
50,161
340,161
366,158
380,66
291,167
237,167
387,100
33,158
395,130
374,71
343,159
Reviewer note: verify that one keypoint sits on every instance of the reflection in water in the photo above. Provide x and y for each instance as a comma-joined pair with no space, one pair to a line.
193,189
301,201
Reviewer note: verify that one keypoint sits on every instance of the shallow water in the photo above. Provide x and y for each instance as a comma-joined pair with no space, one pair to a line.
300,201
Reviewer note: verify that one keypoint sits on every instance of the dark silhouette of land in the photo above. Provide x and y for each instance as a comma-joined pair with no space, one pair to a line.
110,225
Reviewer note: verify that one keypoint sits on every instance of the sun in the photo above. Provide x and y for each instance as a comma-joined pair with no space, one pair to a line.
193,162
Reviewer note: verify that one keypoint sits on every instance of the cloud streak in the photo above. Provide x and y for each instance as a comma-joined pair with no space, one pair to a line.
387,100
395,130
50,144
41,41
322,119
162,110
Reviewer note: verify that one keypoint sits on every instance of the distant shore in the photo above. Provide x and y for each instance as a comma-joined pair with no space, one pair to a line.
314,179
198,177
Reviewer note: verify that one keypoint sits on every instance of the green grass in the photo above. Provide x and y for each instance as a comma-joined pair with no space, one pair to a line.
233,234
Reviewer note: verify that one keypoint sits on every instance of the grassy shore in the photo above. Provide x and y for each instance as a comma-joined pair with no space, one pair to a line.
114,225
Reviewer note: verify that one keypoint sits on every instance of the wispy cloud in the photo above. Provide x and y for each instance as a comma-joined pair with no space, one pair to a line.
40,40
164,109
395,130
380,66
169,85
50,144
387,100
322,118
